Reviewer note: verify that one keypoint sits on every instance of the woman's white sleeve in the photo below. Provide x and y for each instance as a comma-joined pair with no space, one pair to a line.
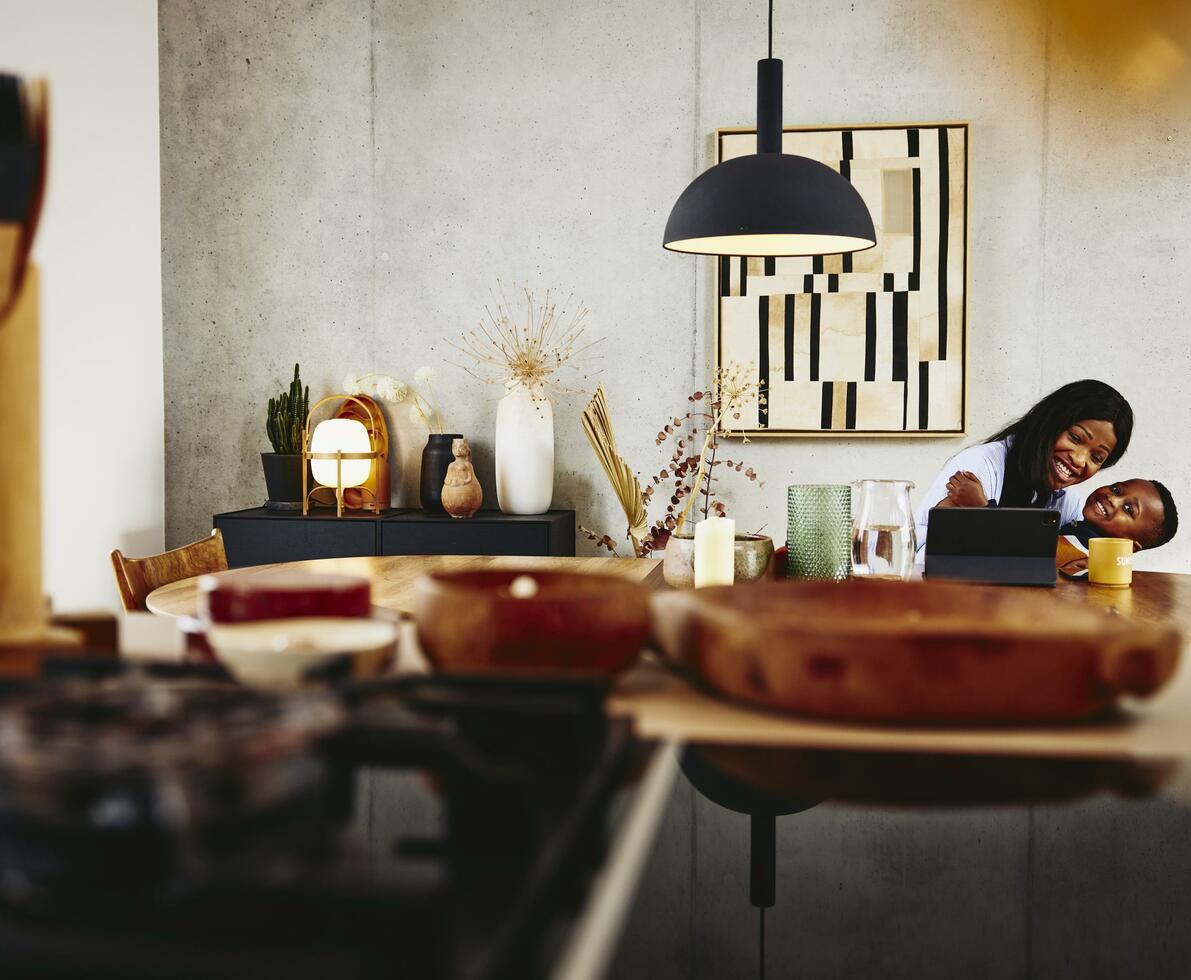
974,459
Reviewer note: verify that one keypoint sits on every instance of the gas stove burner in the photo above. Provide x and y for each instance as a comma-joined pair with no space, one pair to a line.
150,784
132,721
160,822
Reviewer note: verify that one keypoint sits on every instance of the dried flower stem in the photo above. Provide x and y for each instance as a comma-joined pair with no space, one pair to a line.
597,425
531,354
390,389
731,390
429,413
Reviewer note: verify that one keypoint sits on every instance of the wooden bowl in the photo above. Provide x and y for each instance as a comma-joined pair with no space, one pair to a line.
530,620
913,651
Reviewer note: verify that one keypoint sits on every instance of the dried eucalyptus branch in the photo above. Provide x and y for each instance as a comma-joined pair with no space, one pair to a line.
732,390
687,474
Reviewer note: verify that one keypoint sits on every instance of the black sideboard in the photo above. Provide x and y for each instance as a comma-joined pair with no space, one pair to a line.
414,532
260,537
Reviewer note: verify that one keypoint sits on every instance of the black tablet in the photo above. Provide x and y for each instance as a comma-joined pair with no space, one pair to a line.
1003,545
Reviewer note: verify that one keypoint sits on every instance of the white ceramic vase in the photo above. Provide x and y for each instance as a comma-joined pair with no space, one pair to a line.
524,453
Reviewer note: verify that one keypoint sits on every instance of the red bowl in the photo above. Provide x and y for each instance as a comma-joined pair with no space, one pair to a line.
482,621
248,596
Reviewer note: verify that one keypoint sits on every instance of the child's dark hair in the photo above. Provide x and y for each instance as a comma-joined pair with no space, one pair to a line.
1028,463
1170,516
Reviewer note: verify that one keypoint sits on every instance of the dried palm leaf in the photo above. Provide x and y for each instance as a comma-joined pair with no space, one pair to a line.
597,423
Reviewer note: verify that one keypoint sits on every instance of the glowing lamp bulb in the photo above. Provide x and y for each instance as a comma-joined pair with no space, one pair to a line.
346,436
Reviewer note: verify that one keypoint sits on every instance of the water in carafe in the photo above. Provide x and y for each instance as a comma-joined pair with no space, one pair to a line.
881,551
883,538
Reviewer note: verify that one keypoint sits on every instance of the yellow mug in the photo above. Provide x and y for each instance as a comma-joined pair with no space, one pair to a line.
1110,562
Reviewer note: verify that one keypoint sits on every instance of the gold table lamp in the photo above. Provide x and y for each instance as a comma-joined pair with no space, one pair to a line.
341,452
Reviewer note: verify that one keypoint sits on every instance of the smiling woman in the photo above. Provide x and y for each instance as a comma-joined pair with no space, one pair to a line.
1065,439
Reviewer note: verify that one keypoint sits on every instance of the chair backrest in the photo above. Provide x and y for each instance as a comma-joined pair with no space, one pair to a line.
137,577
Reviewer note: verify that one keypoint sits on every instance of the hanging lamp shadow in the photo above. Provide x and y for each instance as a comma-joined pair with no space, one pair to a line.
770,203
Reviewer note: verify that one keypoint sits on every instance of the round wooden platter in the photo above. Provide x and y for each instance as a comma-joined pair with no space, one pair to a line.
871,651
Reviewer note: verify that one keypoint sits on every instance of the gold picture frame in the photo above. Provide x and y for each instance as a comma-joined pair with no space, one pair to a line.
835,339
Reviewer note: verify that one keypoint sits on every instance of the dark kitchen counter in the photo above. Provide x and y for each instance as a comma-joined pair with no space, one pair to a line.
914,868
458,828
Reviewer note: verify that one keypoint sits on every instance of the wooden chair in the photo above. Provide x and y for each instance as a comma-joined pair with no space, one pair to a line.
137,577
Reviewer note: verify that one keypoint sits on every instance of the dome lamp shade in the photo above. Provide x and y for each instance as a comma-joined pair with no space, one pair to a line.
769,203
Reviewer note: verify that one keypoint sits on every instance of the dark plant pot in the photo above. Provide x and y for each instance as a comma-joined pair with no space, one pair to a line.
283,480
436,457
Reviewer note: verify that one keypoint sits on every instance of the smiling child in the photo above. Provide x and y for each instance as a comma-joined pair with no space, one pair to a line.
1141,510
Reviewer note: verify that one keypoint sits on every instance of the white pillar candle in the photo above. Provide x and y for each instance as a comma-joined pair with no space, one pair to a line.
715,552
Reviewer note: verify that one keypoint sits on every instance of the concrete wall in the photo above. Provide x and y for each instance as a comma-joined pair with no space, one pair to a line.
99,248
344,182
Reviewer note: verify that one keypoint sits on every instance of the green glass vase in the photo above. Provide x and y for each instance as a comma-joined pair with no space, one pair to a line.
819,531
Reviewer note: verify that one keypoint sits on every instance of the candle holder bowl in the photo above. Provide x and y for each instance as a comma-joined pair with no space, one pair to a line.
753,556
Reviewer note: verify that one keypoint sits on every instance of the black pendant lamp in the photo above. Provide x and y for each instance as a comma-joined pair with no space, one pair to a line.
770,203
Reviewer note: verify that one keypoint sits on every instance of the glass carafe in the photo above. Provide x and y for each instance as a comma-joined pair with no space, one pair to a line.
883,538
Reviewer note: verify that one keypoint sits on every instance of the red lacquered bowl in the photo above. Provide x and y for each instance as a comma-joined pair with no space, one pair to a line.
530,620
249,596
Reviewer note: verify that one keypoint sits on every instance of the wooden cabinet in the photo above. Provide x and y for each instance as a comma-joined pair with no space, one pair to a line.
258,536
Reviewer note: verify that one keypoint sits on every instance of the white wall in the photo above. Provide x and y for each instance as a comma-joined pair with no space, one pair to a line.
100,253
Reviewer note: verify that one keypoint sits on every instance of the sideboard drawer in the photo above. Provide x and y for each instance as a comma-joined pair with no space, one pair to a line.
260,537
263,540
443,539
488,533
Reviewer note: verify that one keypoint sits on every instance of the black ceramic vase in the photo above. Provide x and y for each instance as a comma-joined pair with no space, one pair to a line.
436,457
283,480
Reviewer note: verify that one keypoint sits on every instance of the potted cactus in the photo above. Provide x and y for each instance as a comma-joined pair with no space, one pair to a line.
283,466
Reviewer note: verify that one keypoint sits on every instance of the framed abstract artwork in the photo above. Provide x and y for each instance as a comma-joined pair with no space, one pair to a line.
868,344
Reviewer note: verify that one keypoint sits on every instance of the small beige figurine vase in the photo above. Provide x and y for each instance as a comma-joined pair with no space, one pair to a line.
461,491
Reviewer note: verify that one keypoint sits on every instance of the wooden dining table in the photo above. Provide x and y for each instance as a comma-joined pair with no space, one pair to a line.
393,576
665,704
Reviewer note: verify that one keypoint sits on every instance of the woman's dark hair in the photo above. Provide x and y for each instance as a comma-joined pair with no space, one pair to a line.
1028,463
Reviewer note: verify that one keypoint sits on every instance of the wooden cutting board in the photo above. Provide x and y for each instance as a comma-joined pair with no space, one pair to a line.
913,652
665,706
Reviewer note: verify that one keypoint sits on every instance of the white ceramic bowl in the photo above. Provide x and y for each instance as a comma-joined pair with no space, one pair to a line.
279,653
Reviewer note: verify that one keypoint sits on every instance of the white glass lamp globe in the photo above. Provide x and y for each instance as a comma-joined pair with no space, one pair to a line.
340,435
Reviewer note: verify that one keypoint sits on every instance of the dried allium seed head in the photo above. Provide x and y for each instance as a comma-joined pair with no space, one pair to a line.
532,353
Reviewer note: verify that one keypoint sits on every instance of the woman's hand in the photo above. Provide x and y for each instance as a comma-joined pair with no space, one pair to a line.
964,490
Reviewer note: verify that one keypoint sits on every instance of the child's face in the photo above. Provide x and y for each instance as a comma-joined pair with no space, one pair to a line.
1079,451
1129,509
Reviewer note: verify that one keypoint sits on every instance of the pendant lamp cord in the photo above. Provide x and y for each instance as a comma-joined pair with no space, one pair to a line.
771,28
761,948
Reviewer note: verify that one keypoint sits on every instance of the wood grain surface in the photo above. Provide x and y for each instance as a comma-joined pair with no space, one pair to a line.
879,651
393,577
22,602
666,705
557,621
137,577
